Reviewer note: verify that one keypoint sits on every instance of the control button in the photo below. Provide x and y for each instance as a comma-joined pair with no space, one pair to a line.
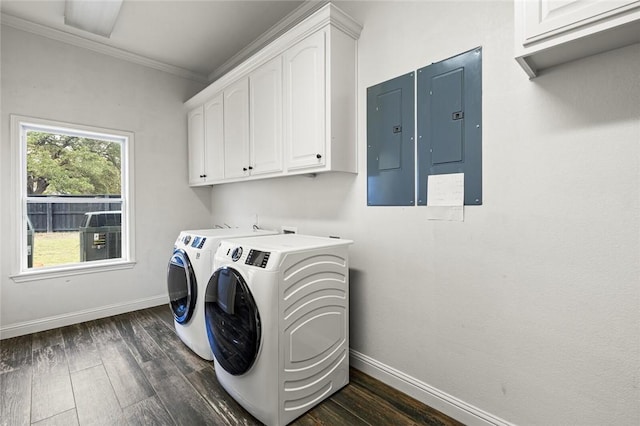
236,254
186,239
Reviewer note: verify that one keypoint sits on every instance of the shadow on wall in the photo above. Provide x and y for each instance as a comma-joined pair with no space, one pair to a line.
324,197
203,194
602,94
356,297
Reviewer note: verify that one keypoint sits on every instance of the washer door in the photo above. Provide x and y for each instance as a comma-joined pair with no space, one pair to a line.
182,284
232,320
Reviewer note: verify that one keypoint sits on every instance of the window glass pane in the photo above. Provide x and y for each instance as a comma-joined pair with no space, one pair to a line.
66,232
60,164
72,185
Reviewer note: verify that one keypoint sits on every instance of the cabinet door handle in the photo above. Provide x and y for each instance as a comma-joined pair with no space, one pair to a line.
318,156
250,167
244,169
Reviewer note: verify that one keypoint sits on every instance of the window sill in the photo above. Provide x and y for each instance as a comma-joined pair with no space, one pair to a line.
45,274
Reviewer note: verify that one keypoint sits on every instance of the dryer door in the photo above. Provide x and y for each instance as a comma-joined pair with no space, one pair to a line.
182,284
232,320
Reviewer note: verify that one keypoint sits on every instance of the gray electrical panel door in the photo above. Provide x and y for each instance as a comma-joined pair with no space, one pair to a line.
449,115
390,147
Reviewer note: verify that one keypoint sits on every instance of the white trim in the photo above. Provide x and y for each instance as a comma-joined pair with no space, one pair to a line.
302,12
96,46
435,398
67,200
19,125
72,269
328,15
42,324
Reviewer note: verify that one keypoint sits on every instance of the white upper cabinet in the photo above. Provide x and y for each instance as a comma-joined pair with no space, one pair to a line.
205,143
305,103
289,109
265,118
552,32
236,129
195,146
214,139
205,138
320,103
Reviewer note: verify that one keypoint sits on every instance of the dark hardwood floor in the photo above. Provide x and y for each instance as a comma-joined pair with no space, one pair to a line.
132,369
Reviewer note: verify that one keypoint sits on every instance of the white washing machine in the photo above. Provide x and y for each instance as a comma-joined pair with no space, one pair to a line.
277,317
190,267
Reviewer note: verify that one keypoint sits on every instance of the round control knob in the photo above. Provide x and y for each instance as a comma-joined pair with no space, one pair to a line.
236,253
186,239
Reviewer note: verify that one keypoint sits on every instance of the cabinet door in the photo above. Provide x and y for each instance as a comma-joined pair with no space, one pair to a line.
546,18
195,145
214,139
236,130
265,107
304,91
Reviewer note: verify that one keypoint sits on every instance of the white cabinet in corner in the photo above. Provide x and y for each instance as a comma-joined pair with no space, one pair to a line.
319,103
204,141
551,32
195,146
203,169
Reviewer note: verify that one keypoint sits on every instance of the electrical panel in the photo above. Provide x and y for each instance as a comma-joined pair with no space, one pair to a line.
390,142
447,108
449,117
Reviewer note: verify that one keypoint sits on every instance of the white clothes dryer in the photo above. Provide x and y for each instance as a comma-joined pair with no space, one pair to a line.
277,318
190,267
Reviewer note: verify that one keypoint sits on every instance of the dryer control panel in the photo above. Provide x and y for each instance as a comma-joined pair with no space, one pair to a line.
257,258
247,257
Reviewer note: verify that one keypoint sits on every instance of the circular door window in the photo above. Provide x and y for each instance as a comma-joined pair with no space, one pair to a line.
181,282
232,321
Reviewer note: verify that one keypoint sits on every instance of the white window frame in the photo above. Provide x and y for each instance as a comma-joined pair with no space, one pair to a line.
19,127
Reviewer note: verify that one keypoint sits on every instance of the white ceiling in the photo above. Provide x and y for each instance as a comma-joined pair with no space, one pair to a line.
199,39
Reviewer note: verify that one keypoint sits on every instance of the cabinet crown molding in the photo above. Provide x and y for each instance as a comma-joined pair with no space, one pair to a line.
328,15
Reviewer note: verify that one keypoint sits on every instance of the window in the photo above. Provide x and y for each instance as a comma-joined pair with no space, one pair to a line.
74,201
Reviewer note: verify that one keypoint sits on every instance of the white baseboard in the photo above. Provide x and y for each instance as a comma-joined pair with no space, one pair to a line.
435,398
42,324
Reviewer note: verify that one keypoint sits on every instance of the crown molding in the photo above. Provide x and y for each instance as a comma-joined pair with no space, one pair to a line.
328,16
306,9
75,40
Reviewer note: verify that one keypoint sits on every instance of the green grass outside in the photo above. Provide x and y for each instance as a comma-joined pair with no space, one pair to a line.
55,248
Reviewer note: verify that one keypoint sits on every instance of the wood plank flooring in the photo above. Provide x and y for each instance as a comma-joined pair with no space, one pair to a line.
132,369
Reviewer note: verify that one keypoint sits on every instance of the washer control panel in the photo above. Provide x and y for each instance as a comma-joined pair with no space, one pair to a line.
257,258
198,242
195,241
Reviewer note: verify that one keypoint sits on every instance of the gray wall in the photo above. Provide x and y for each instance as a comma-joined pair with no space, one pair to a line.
529,309
47,79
